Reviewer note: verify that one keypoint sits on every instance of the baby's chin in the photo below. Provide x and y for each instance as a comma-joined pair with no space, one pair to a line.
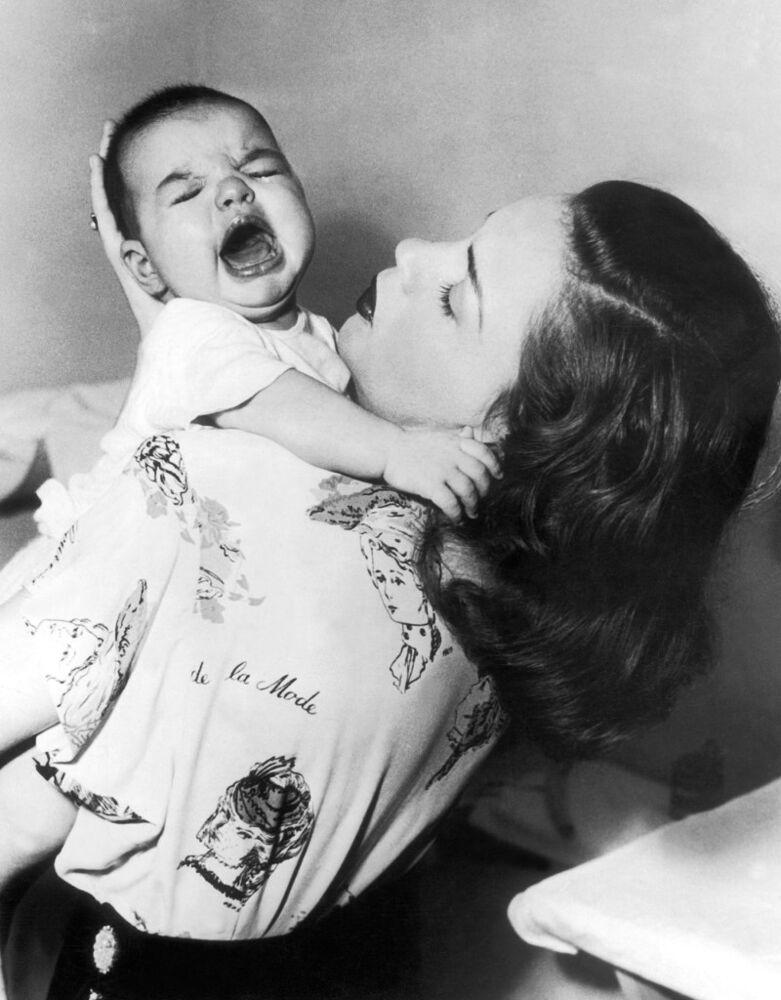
279,315
263,305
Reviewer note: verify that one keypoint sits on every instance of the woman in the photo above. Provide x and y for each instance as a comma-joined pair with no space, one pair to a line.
289,727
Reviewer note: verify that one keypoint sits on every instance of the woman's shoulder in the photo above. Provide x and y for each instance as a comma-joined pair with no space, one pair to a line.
258,475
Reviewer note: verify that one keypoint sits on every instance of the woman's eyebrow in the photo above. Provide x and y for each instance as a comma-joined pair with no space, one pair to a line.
475,282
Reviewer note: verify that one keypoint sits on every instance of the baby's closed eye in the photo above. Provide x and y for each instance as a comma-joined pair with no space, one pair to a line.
186,195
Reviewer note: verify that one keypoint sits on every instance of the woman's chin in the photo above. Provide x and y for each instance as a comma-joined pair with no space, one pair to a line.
355,320
352,331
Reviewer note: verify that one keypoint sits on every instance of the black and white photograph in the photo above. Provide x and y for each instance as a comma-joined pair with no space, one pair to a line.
390,500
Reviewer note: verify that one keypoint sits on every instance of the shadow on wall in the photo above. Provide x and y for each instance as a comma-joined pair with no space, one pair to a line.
350,249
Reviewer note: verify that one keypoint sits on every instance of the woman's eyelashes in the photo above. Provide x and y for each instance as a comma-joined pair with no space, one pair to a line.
444,298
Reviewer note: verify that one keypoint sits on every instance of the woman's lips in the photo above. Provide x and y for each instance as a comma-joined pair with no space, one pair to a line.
366,302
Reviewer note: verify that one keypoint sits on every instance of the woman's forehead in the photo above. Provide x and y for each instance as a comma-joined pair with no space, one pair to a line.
537,221
519,256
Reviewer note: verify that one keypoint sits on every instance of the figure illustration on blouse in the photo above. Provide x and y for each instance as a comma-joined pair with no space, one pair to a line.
479,719
93,663
105,806
260,821
387,524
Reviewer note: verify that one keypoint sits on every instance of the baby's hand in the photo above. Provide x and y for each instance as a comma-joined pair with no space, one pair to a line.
451,469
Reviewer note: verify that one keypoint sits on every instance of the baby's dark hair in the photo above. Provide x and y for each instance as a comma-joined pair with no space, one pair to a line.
159,105
641,405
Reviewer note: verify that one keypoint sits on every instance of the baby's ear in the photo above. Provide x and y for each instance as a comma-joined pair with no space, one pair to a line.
137,261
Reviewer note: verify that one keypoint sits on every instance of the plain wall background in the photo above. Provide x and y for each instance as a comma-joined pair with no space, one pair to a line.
411,117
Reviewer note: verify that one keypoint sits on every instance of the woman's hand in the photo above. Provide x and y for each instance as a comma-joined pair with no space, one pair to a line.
145,308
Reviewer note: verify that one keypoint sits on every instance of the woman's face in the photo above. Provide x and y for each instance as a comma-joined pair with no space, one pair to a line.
442,336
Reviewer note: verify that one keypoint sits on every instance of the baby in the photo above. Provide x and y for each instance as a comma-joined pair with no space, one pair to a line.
216,226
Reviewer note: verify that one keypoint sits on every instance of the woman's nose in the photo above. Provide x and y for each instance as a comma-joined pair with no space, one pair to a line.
410,256
233,190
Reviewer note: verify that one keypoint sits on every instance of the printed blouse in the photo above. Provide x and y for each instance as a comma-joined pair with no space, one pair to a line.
259,710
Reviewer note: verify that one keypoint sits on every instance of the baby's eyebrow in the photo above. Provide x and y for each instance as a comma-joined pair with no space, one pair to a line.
173,178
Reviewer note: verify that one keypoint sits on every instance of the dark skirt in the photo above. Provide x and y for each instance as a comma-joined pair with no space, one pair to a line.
367,949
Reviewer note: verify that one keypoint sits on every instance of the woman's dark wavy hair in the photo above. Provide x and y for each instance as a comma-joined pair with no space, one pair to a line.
642,402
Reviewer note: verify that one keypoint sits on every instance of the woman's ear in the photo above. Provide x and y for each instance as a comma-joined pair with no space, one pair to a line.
137,261
491,431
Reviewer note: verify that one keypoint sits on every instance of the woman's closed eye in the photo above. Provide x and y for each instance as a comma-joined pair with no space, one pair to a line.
444,298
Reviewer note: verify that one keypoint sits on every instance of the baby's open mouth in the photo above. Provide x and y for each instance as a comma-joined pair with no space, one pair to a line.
249,249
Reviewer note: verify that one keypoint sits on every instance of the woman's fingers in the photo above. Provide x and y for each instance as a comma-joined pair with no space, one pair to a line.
109,128
145,308
106,224
107,228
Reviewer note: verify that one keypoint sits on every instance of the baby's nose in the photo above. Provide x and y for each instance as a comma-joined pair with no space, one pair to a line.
233,190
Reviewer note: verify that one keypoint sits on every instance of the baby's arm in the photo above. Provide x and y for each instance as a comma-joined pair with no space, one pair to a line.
329,430
202,360
35,819
26,706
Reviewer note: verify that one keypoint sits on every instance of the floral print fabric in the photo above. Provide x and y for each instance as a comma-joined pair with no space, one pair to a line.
259,709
